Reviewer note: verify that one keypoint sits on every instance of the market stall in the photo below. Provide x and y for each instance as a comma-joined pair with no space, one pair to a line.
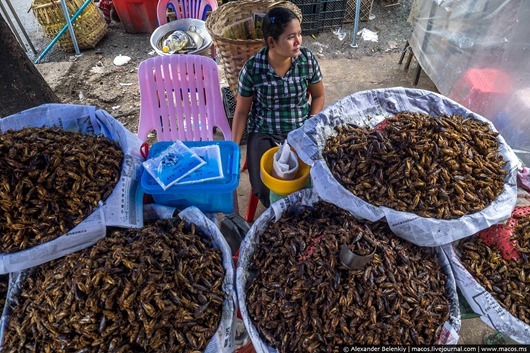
324,228
354,259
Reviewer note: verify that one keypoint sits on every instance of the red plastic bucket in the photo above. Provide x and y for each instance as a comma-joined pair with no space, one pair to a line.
137,16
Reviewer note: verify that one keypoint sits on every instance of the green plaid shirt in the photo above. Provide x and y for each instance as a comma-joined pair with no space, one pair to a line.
280,105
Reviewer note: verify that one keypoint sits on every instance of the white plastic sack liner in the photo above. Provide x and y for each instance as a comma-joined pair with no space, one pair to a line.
307,197
484,304
368,108
223,340
123,208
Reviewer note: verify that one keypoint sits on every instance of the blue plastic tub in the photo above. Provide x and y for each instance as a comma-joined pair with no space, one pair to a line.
209,196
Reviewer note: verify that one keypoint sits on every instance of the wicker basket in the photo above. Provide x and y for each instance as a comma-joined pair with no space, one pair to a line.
234,53
183,24
89,27
364,12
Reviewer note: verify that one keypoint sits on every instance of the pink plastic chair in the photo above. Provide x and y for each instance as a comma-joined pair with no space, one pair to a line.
180,98
185,9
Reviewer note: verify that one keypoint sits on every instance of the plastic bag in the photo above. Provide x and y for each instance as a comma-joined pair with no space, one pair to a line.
368,35
178,41
491,312
173,164
211,170
285,163
196,37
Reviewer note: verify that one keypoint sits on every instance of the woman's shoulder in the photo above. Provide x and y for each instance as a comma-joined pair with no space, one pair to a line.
307,57
257,61
259,57
307,53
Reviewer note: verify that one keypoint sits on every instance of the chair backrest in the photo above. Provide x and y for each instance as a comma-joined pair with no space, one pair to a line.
185,9
180,98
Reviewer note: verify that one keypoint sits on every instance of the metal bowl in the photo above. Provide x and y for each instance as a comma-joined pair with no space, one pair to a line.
183,25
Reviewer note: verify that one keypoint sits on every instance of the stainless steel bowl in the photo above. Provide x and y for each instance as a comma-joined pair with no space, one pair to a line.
183,25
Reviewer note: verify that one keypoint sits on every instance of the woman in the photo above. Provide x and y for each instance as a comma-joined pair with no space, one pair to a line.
273,92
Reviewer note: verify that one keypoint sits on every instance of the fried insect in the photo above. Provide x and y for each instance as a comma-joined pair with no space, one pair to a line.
50,181
301,298
4,284
131,292
508,281
441,167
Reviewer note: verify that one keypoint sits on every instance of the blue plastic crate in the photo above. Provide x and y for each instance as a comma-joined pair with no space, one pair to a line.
209,196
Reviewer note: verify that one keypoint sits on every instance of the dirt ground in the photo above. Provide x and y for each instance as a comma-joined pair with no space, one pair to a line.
93,78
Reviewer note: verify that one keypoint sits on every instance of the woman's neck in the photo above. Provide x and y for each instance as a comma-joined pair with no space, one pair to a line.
279,63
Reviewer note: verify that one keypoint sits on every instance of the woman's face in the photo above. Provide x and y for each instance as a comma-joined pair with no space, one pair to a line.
289,42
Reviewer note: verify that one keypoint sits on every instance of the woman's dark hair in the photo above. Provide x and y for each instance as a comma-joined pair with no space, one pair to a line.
275,21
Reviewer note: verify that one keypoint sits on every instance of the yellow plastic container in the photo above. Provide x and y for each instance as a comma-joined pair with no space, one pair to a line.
279,186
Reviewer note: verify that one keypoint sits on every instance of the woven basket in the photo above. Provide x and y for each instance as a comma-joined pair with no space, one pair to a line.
89,27
364,12
234,53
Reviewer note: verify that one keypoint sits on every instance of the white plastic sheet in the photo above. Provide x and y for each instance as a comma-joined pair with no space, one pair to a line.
308,197
123,208
368,108
484,304
476,52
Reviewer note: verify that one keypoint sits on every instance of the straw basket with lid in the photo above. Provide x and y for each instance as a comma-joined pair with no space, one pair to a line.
234,53
89,27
